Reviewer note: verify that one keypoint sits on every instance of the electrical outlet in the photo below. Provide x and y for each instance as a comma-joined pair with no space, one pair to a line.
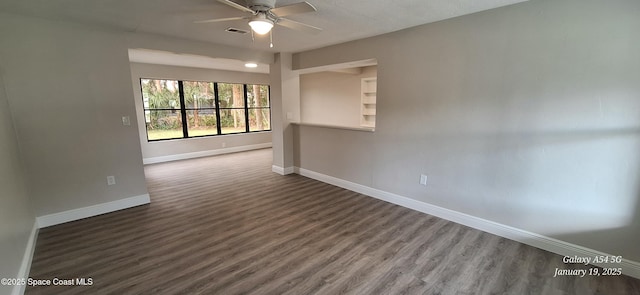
126,121
423,179
111,180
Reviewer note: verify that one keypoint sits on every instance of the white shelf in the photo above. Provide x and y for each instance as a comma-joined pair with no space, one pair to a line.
361,128
368,102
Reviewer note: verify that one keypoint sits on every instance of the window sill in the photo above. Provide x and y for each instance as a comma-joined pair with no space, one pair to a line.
365,129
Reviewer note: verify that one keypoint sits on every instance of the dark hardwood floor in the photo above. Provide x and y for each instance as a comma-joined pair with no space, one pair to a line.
228,225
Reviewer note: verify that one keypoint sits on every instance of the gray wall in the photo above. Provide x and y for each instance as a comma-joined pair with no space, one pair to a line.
285,108
527,115
172,147
16,217
332,98
68,87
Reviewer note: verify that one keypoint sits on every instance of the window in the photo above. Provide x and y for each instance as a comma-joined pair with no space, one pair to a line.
208,108
161,100
200,101
259,108
231,99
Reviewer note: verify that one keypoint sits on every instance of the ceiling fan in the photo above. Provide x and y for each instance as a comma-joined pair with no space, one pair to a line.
264,15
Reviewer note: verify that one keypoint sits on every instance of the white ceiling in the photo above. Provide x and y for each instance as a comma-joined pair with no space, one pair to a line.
342,20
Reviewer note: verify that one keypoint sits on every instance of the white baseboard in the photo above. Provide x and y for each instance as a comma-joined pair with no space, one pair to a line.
208,153
630,268
80,213
25,267
283,171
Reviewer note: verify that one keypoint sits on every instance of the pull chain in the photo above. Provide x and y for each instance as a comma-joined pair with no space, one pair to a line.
271,39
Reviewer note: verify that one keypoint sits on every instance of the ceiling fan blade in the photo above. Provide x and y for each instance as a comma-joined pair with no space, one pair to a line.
215,20
237,6
298,26
300,7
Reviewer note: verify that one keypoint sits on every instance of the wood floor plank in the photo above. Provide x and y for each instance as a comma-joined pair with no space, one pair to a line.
228,225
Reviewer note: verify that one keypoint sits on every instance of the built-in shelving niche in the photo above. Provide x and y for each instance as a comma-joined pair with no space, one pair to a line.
368,102
339,95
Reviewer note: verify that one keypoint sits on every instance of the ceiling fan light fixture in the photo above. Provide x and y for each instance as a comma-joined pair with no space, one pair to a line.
260,24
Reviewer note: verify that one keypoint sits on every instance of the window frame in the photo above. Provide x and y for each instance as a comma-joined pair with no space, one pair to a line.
184,109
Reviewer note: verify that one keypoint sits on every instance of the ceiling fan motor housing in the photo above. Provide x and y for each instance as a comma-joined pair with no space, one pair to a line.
261,5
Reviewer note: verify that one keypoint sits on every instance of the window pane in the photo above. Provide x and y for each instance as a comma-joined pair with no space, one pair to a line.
231,95
160,94
164,125
258,95
198,94
202,122
232,121
259,119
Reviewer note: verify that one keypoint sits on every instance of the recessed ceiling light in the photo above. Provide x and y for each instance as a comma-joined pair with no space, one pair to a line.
251,65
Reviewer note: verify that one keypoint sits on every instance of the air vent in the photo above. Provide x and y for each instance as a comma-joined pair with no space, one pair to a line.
234,30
